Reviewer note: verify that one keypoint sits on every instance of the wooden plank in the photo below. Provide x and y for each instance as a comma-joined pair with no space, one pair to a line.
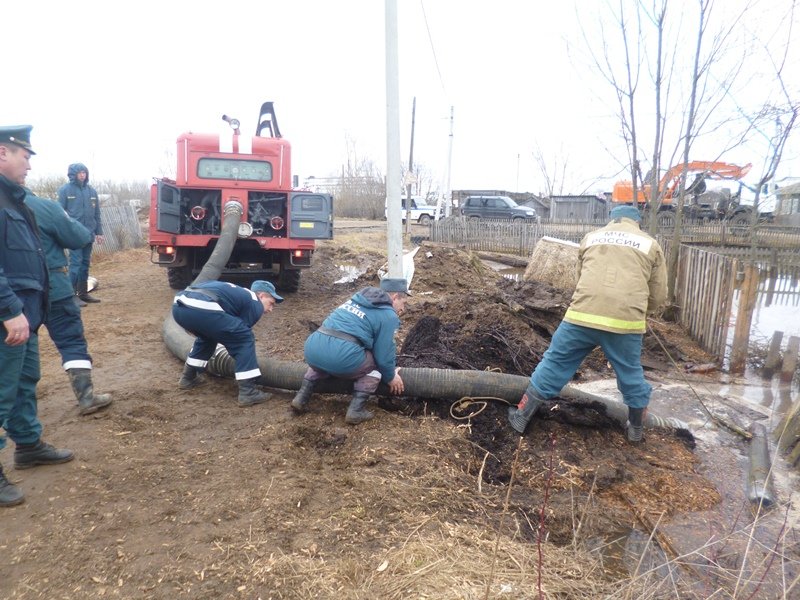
744,318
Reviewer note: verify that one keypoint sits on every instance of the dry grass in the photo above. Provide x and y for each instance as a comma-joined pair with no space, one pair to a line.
553,261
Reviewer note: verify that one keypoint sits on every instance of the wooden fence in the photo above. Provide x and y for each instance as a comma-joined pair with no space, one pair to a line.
121,229
519,237
704,292
709,276
504,236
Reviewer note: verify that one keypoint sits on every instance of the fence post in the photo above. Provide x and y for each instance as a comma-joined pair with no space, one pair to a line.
744,318
773,355
790,359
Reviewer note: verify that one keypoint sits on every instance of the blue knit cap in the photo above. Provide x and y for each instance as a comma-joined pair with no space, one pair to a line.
625,212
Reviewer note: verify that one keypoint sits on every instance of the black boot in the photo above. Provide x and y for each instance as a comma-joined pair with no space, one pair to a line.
249,394
10,495
83,387
78,301
83,292
192,377
356,413
523,413
303,396
635,426
40,453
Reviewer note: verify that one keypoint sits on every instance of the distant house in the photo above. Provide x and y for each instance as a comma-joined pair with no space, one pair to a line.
787,211
542,205
586,208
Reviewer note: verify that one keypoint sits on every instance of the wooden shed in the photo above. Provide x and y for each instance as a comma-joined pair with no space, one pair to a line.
586,208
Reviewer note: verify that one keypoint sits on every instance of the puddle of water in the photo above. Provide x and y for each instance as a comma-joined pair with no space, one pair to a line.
513,273
630,551
723,458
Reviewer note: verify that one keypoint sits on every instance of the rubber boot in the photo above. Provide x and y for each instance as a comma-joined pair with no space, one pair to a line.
83,387
635,426
10,495
520,416
40,453
356,413
83,293
249,394
303,396
192,377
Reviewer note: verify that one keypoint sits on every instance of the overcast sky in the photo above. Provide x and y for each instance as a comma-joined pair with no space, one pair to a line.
113,84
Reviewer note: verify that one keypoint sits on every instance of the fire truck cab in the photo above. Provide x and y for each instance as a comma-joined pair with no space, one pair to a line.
279,226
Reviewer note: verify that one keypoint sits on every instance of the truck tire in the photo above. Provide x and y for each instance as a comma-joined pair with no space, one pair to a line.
424,219
289,280
179,277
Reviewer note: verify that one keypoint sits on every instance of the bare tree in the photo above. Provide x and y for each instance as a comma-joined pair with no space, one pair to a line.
361,188
782,112
553,172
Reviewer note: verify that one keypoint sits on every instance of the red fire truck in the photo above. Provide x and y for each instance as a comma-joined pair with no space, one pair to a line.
279,225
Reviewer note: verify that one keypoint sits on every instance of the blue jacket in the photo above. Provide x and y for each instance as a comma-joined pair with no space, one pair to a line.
23,271
80,200
234,300
57,231
368,316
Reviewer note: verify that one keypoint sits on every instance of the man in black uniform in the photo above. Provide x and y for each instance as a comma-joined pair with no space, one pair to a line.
218,312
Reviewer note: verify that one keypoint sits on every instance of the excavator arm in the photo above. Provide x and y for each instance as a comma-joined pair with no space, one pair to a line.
669,183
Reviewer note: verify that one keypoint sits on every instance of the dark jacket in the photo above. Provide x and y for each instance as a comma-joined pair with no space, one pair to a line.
221,295
368,316
80,200
57,231
23,270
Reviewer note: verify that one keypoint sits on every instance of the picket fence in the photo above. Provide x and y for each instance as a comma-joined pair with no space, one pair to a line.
121,229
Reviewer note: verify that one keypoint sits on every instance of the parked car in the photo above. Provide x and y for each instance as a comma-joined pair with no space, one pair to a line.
496,207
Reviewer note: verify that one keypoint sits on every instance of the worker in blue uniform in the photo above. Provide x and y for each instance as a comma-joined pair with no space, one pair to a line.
356,342
23,308
58,231
82,203
223,313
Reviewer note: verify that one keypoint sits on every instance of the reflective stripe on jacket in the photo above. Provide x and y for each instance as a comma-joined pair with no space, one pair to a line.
622,277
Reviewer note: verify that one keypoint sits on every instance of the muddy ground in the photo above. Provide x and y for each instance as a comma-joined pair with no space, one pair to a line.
184,495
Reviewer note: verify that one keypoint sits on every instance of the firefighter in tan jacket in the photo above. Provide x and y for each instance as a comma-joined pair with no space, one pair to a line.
621,278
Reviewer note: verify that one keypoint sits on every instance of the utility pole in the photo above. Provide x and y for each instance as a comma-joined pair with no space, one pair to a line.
394,233
446,196
407,204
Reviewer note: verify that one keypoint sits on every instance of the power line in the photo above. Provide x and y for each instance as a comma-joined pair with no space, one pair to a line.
433,49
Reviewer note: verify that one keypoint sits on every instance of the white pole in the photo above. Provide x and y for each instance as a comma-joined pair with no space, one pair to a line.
447,191
394,232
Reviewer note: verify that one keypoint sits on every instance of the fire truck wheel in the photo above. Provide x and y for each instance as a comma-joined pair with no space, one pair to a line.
179,277
289,280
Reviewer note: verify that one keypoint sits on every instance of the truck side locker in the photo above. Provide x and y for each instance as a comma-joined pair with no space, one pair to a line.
168,208
310,216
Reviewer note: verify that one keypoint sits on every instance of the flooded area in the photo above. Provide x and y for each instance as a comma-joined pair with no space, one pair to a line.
735,527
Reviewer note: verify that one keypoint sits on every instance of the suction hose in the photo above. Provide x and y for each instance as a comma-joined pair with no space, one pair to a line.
419,383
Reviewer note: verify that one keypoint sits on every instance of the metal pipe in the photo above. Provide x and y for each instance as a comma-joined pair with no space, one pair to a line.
760,489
